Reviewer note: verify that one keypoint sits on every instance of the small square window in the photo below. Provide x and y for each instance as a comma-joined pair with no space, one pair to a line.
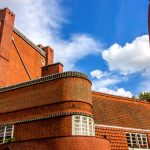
137,140
82,125
6,132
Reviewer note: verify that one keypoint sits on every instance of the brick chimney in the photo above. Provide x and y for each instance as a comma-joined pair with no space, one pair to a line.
7,18
50,68
49,54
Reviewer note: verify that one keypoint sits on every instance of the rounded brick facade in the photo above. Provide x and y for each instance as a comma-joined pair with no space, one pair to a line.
54,91
64,143
51,109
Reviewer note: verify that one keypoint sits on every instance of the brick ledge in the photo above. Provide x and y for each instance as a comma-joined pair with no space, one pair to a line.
45,79
46,117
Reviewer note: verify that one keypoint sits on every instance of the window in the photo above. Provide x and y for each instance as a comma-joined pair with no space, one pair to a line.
83,125
6,132
137,140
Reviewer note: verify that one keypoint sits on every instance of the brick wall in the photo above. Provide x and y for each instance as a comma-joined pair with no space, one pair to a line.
41,111
64,143
12,70
31,58
117,136
6,29
63,89
52,69
54,127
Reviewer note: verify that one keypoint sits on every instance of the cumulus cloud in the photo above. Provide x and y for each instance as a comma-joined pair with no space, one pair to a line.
78,47
132,58
42,22
106,82
119,92
98,74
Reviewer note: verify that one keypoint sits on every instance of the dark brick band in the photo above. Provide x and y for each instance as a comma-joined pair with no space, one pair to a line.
47,117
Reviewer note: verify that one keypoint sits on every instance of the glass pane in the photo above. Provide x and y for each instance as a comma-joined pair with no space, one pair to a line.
1,139
77,117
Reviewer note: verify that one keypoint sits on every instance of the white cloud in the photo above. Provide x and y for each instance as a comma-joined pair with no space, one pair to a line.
132,58
119,92
106,82
78,47
103,83
104,79
98,74
42,21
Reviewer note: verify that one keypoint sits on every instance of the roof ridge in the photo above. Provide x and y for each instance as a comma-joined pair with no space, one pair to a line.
29,41
121,127
119,97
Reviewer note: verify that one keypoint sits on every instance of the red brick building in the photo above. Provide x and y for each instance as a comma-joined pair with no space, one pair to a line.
44,108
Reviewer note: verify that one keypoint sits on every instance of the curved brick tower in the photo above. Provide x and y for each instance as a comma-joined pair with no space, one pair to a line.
41,109
54,112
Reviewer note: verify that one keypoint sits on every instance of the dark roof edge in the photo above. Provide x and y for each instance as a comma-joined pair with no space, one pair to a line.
45,79
29,42
121,127
118,97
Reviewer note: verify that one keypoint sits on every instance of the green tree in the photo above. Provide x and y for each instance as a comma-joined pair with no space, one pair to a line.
144,96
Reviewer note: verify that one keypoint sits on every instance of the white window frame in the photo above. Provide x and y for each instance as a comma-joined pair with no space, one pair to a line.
83,126
138,138
5,133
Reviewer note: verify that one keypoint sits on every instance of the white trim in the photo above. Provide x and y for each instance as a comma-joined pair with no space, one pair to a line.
5,132
12,134
119,127
136,140
138,149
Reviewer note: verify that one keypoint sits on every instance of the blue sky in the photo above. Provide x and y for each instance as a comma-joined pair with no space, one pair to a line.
106,39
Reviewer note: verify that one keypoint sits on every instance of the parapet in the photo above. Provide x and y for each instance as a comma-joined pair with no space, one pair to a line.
63,87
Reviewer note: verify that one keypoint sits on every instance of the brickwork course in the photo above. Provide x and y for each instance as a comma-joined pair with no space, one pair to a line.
40,100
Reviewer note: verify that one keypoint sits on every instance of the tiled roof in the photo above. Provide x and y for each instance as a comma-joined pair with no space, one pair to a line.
121,111
117,136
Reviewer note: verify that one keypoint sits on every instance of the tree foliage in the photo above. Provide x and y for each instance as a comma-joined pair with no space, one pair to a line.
144,96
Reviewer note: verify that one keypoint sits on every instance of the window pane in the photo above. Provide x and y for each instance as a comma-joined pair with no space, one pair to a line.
83,124
137,140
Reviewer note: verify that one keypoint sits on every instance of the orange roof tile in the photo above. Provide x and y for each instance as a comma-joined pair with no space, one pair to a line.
121,111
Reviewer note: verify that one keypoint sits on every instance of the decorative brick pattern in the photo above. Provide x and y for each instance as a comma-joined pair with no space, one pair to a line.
120,111
117,136
65,89
129,114
46,117
47,111
46,79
